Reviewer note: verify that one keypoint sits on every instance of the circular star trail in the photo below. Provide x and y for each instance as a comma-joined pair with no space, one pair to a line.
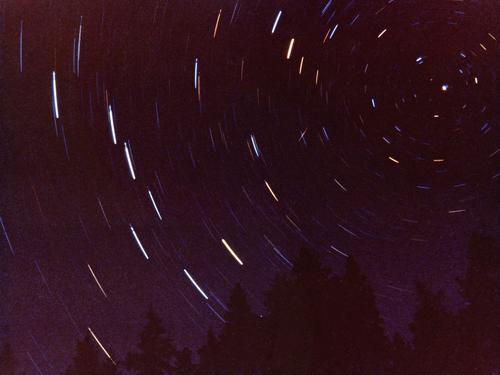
160,151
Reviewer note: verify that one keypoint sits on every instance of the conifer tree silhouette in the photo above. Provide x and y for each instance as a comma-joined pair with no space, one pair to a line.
88,360
238,341
359,344
400,356
209,355
293,322
434,335
319,324
155,350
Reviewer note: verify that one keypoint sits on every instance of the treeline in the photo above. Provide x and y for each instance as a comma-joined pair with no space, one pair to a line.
318,324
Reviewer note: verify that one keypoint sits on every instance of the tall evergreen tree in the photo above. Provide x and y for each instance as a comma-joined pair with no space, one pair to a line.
289,330
86,358
155,350
239,337
89,360
294,320
479,320
209,355
434,338
308,271
359,345
315,325
400,356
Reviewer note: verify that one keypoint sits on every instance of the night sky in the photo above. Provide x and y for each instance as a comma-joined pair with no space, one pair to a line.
151,147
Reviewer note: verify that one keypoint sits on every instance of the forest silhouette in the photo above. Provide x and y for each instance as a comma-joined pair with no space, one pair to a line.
317,323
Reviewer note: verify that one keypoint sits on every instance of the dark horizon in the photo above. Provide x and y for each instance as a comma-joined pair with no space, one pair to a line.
317,323
344,156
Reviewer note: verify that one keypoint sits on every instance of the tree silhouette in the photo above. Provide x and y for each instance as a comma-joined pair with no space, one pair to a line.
88,360
297,319
238,341
400,356
319,324
479,321
209,355
8,363
155,349
308,271
434,338
359,345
